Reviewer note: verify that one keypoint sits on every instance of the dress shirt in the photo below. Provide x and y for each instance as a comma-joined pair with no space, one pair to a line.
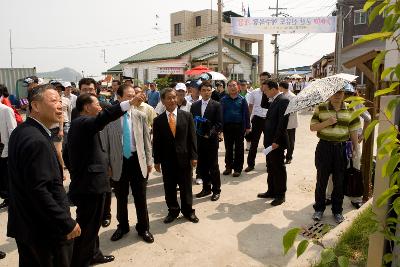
7,125
175,112
133,144
204,106
44,127
255,98
293,117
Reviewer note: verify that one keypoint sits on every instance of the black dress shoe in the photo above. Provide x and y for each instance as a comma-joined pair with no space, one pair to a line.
118,234
227,172
170,218
265,195
193,218
147,236
4,204
236,174
215,197
278,201
106,222
102,259
249,169
203,193
2,255
356,205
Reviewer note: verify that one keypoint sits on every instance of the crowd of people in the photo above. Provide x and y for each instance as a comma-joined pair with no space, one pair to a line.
115,141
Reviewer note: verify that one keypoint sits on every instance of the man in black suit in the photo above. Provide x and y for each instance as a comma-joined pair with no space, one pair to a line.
175,150
277,137
38,217
89,178
208,120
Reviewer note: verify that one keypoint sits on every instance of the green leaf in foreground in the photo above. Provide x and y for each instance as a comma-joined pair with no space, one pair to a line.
327,256
369,129
343,261
289,238
302,247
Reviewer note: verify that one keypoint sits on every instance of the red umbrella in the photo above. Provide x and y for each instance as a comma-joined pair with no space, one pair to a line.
197,70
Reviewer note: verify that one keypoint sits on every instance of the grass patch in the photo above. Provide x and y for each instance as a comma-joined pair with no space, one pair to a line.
353,243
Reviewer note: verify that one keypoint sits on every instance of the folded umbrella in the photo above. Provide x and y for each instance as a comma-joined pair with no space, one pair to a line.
319,91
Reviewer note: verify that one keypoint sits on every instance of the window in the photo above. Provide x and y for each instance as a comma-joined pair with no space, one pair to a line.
247,47
135,73
356,37
145,75
177,29
198,21
360,17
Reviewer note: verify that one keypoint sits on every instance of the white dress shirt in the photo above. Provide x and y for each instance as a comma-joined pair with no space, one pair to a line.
175,113
204,106
293,117
255,98
133,144
7,125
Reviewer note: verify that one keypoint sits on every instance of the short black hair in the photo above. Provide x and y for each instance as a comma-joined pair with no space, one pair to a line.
121,89
271,84
284,85
117,81
206,84
231,81
165,91
36,94
82,100
86,81
219,83
3,90
265,73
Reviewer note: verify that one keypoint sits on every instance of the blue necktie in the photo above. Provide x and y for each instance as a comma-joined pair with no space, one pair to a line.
126,140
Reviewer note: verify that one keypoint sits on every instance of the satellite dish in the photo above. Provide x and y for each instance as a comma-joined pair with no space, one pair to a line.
225,50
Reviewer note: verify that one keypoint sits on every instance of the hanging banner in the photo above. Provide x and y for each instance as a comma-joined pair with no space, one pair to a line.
284,25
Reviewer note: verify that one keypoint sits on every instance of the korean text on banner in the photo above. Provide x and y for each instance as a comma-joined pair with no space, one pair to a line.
274,25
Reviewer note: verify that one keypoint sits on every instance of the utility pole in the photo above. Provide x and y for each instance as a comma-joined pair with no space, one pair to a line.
104,55
220,63
339,36
275,41
11,52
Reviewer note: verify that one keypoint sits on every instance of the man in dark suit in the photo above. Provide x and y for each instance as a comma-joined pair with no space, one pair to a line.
208,120
89,177
38,217
277,137
175,150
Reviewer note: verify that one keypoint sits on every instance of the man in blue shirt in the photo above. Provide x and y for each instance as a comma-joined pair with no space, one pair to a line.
236,122
153,95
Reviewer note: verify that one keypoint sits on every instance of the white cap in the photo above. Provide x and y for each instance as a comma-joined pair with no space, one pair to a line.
66,84
180,86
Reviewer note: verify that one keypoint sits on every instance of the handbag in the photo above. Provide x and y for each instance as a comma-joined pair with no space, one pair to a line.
353,182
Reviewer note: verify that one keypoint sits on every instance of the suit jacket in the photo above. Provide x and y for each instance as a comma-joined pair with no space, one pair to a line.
213,114
112,135
87,154
179,150
276,122
39,209
7,125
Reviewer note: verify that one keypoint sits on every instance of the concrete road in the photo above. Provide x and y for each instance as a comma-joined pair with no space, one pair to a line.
237,230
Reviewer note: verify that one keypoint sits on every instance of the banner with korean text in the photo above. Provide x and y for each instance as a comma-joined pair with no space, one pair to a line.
284,25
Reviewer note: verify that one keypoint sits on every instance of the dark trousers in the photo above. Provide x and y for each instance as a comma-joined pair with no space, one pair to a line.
175,174
276,170
234,138
4,178
257,127
89,212
330,158
107,207
45,255
132,175
207,151
292,139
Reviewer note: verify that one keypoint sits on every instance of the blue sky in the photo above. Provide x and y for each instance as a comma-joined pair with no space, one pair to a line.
42,29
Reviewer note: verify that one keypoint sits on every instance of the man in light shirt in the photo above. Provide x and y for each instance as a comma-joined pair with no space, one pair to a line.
68,94
292,124
145,108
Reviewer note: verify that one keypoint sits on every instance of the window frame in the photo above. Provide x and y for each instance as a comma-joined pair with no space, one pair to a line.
358,15
198,21
177,29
